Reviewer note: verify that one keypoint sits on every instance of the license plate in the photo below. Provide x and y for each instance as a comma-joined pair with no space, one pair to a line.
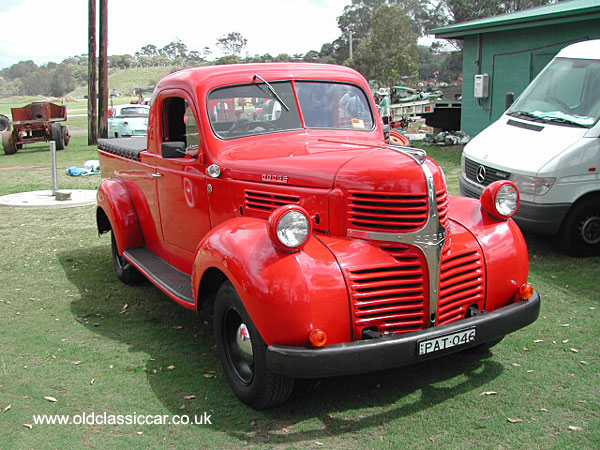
445,342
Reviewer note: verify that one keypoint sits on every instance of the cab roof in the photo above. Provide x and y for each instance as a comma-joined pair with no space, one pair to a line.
213,76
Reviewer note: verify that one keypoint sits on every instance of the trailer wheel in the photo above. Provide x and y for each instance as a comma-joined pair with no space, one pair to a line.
57,136
580,232
123,269
8,143
66,135
243,354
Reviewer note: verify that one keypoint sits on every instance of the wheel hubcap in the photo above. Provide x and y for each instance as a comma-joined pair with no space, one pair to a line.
238,345
590,230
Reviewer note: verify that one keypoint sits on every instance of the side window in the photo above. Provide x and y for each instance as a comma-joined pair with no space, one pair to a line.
192,133
179,123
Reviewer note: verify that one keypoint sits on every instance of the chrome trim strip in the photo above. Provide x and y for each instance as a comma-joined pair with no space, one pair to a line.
430,239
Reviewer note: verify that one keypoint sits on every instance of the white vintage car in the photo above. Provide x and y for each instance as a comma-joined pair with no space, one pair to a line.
128,120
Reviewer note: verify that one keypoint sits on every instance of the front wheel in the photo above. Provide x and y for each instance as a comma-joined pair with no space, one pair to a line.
580,232
243,354
123,269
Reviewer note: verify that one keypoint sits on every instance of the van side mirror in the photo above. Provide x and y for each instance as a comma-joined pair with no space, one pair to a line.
173,150
509,100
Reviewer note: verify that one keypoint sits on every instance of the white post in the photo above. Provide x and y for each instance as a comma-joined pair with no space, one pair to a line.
53,166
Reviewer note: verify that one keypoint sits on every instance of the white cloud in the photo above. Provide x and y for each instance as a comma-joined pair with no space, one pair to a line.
45,30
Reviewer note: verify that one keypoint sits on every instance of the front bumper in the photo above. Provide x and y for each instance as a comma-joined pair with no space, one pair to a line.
391,351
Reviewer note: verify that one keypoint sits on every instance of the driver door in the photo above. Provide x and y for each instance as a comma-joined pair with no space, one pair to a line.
181,180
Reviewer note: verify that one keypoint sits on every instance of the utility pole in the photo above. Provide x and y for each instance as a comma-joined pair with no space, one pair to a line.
350,42
92,76
103,79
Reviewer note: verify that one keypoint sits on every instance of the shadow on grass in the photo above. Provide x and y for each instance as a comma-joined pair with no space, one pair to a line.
318,408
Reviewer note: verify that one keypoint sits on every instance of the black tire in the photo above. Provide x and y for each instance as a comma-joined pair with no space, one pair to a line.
246,371
66,135
580,231
123,269
8,143
57,136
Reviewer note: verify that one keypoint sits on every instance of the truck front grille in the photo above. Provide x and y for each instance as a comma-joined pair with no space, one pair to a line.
268,201
390,297
461,284
389,212
442,205
491,174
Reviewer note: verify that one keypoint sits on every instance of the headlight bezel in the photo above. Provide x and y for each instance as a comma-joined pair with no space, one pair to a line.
494,193
294,213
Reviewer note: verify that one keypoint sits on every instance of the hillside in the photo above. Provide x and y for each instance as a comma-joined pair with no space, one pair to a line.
125,81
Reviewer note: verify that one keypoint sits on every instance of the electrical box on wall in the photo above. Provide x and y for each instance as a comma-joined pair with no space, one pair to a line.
481,85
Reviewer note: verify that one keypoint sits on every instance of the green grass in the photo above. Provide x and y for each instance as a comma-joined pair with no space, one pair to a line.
126,81
61,304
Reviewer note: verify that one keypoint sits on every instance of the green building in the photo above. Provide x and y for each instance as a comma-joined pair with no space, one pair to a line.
512,49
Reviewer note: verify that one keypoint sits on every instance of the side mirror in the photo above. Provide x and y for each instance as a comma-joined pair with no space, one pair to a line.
509,100
173,150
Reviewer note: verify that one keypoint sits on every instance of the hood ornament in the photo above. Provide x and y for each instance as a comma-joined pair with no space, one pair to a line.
417,154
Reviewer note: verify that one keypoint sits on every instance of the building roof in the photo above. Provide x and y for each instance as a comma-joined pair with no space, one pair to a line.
563,12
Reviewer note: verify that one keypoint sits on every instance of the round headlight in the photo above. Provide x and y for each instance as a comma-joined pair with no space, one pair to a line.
500,199
507,200
289,228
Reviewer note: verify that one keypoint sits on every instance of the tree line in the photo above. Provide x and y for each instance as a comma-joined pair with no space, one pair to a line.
384,36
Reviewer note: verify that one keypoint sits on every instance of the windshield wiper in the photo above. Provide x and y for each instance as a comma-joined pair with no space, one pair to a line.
273,91
564,120
521,114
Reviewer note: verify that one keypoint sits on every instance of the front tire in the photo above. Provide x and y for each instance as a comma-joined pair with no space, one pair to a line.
580,232
243,354
123,269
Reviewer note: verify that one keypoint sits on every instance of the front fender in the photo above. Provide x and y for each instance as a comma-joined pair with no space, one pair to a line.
286,295
114,200
504,249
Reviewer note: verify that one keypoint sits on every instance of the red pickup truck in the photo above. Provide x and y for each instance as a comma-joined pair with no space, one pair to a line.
267,195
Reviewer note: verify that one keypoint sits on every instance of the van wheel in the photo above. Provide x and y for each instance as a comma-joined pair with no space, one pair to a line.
123,269
580,232
243,354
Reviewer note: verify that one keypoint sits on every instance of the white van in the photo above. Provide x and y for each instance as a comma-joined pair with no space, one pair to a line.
548,144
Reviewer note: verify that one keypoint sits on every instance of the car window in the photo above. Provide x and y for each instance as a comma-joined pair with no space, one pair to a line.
251,109
334,105
133,111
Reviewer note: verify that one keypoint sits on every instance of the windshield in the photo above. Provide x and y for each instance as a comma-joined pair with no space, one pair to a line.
567,91
251,109
133,111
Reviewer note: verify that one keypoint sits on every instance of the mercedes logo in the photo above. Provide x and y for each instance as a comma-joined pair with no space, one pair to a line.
481,174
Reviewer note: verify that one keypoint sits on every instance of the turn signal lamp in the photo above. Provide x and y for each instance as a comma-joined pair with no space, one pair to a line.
526,291
317,338
500,199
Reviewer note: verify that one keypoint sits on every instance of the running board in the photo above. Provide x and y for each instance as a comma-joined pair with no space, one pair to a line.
161,273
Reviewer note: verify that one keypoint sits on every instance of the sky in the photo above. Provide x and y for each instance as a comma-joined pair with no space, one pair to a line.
52,30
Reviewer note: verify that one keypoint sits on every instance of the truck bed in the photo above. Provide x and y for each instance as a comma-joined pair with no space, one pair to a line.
128,147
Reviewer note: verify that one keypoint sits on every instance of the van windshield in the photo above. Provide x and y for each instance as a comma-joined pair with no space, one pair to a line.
567,92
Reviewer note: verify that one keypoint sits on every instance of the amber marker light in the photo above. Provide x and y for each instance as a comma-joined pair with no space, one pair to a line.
526,290
318,338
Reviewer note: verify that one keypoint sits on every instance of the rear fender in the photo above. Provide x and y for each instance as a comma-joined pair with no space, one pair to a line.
286,294
115,202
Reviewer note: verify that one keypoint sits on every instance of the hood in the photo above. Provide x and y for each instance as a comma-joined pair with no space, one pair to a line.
317,163
521,146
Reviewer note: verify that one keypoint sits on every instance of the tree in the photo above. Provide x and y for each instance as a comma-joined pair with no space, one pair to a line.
389,50
457,11
232,44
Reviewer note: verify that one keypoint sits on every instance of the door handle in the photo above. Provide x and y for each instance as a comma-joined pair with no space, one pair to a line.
157,175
